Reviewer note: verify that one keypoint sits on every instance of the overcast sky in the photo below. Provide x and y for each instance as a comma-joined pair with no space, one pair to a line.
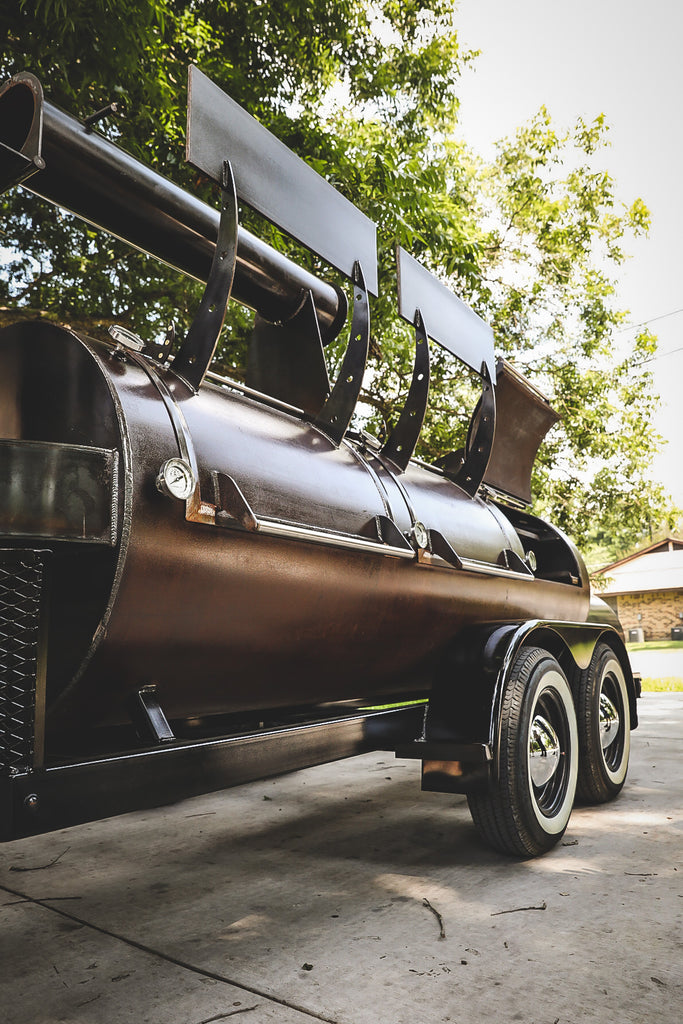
625,59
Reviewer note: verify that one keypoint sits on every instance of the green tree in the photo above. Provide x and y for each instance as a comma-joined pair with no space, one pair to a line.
367,93
547,285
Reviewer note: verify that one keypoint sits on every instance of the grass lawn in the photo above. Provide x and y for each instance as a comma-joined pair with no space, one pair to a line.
662,684
657,645
668,684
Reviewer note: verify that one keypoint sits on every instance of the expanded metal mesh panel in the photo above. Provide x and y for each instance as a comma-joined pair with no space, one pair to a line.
21,579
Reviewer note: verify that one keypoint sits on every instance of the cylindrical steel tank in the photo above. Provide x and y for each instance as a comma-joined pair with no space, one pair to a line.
317,607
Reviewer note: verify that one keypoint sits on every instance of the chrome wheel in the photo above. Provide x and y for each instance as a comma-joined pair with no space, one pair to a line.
604,727
609,722
544,751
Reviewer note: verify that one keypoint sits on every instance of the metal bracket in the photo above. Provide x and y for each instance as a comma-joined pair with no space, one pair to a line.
196,352
231,505
401,442
99,115
335,416
440,546
148,716
286,360
509,559
467,469
389,533
16,167
162,349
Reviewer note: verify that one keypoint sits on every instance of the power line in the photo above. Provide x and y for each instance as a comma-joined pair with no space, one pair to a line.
660,355
652,320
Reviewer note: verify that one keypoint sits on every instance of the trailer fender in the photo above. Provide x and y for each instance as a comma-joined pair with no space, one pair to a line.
460,743
573,644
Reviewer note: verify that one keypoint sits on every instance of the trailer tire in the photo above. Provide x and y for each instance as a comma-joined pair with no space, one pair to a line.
604,725
527,807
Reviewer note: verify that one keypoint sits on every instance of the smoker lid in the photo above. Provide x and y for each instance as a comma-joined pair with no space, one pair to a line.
271,179
447,319
523,418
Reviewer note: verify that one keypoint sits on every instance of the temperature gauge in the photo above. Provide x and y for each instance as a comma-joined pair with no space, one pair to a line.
176,479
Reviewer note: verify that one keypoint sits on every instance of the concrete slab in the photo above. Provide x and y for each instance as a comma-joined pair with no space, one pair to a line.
57,969
303,898
658,664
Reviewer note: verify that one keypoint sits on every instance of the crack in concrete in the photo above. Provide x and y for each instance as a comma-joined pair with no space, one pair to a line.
203,972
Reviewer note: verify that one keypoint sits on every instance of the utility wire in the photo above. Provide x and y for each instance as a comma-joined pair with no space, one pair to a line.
652,320
660,355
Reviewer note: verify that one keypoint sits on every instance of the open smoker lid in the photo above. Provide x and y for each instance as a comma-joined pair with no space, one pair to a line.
523,418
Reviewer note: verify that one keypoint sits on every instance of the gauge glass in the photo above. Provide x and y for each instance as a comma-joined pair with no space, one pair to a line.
176,479
420,534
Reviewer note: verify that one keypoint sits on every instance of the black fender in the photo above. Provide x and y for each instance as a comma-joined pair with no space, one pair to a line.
465,706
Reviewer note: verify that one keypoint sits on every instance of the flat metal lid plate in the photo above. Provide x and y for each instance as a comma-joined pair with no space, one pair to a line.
276,182
447,319
523,418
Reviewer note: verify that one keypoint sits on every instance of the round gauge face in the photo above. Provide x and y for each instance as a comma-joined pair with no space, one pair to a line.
420,534
122,336
176,479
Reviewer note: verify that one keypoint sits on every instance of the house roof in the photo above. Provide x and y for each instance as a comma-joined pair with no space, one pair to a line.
648,570
670,543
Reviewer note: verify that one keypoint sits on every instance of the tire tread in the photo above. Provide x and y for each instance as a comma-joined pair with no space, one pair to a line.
496,813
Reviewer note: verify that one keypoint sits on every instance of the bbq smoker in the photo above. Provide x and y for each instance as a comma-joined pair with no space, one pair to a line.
204,582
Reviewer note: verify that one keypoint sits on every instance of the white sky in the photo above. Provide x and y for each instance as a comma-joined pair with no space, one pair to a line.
625,59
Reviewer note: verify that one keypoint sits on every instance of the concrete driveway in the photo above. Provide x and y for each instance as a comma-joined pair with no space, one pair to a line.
303,899
658,664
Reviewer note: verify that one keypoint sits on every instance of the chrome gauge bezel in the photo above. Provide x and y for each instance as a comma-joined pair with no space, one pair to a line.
176,479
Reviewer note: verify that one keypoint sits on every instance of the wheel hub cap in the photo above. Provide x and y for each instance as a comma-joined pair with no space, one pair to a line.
609,721
544,751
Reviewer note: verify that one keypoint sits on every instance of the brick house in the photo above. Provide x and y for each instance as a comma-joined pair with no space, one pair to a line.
646,589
